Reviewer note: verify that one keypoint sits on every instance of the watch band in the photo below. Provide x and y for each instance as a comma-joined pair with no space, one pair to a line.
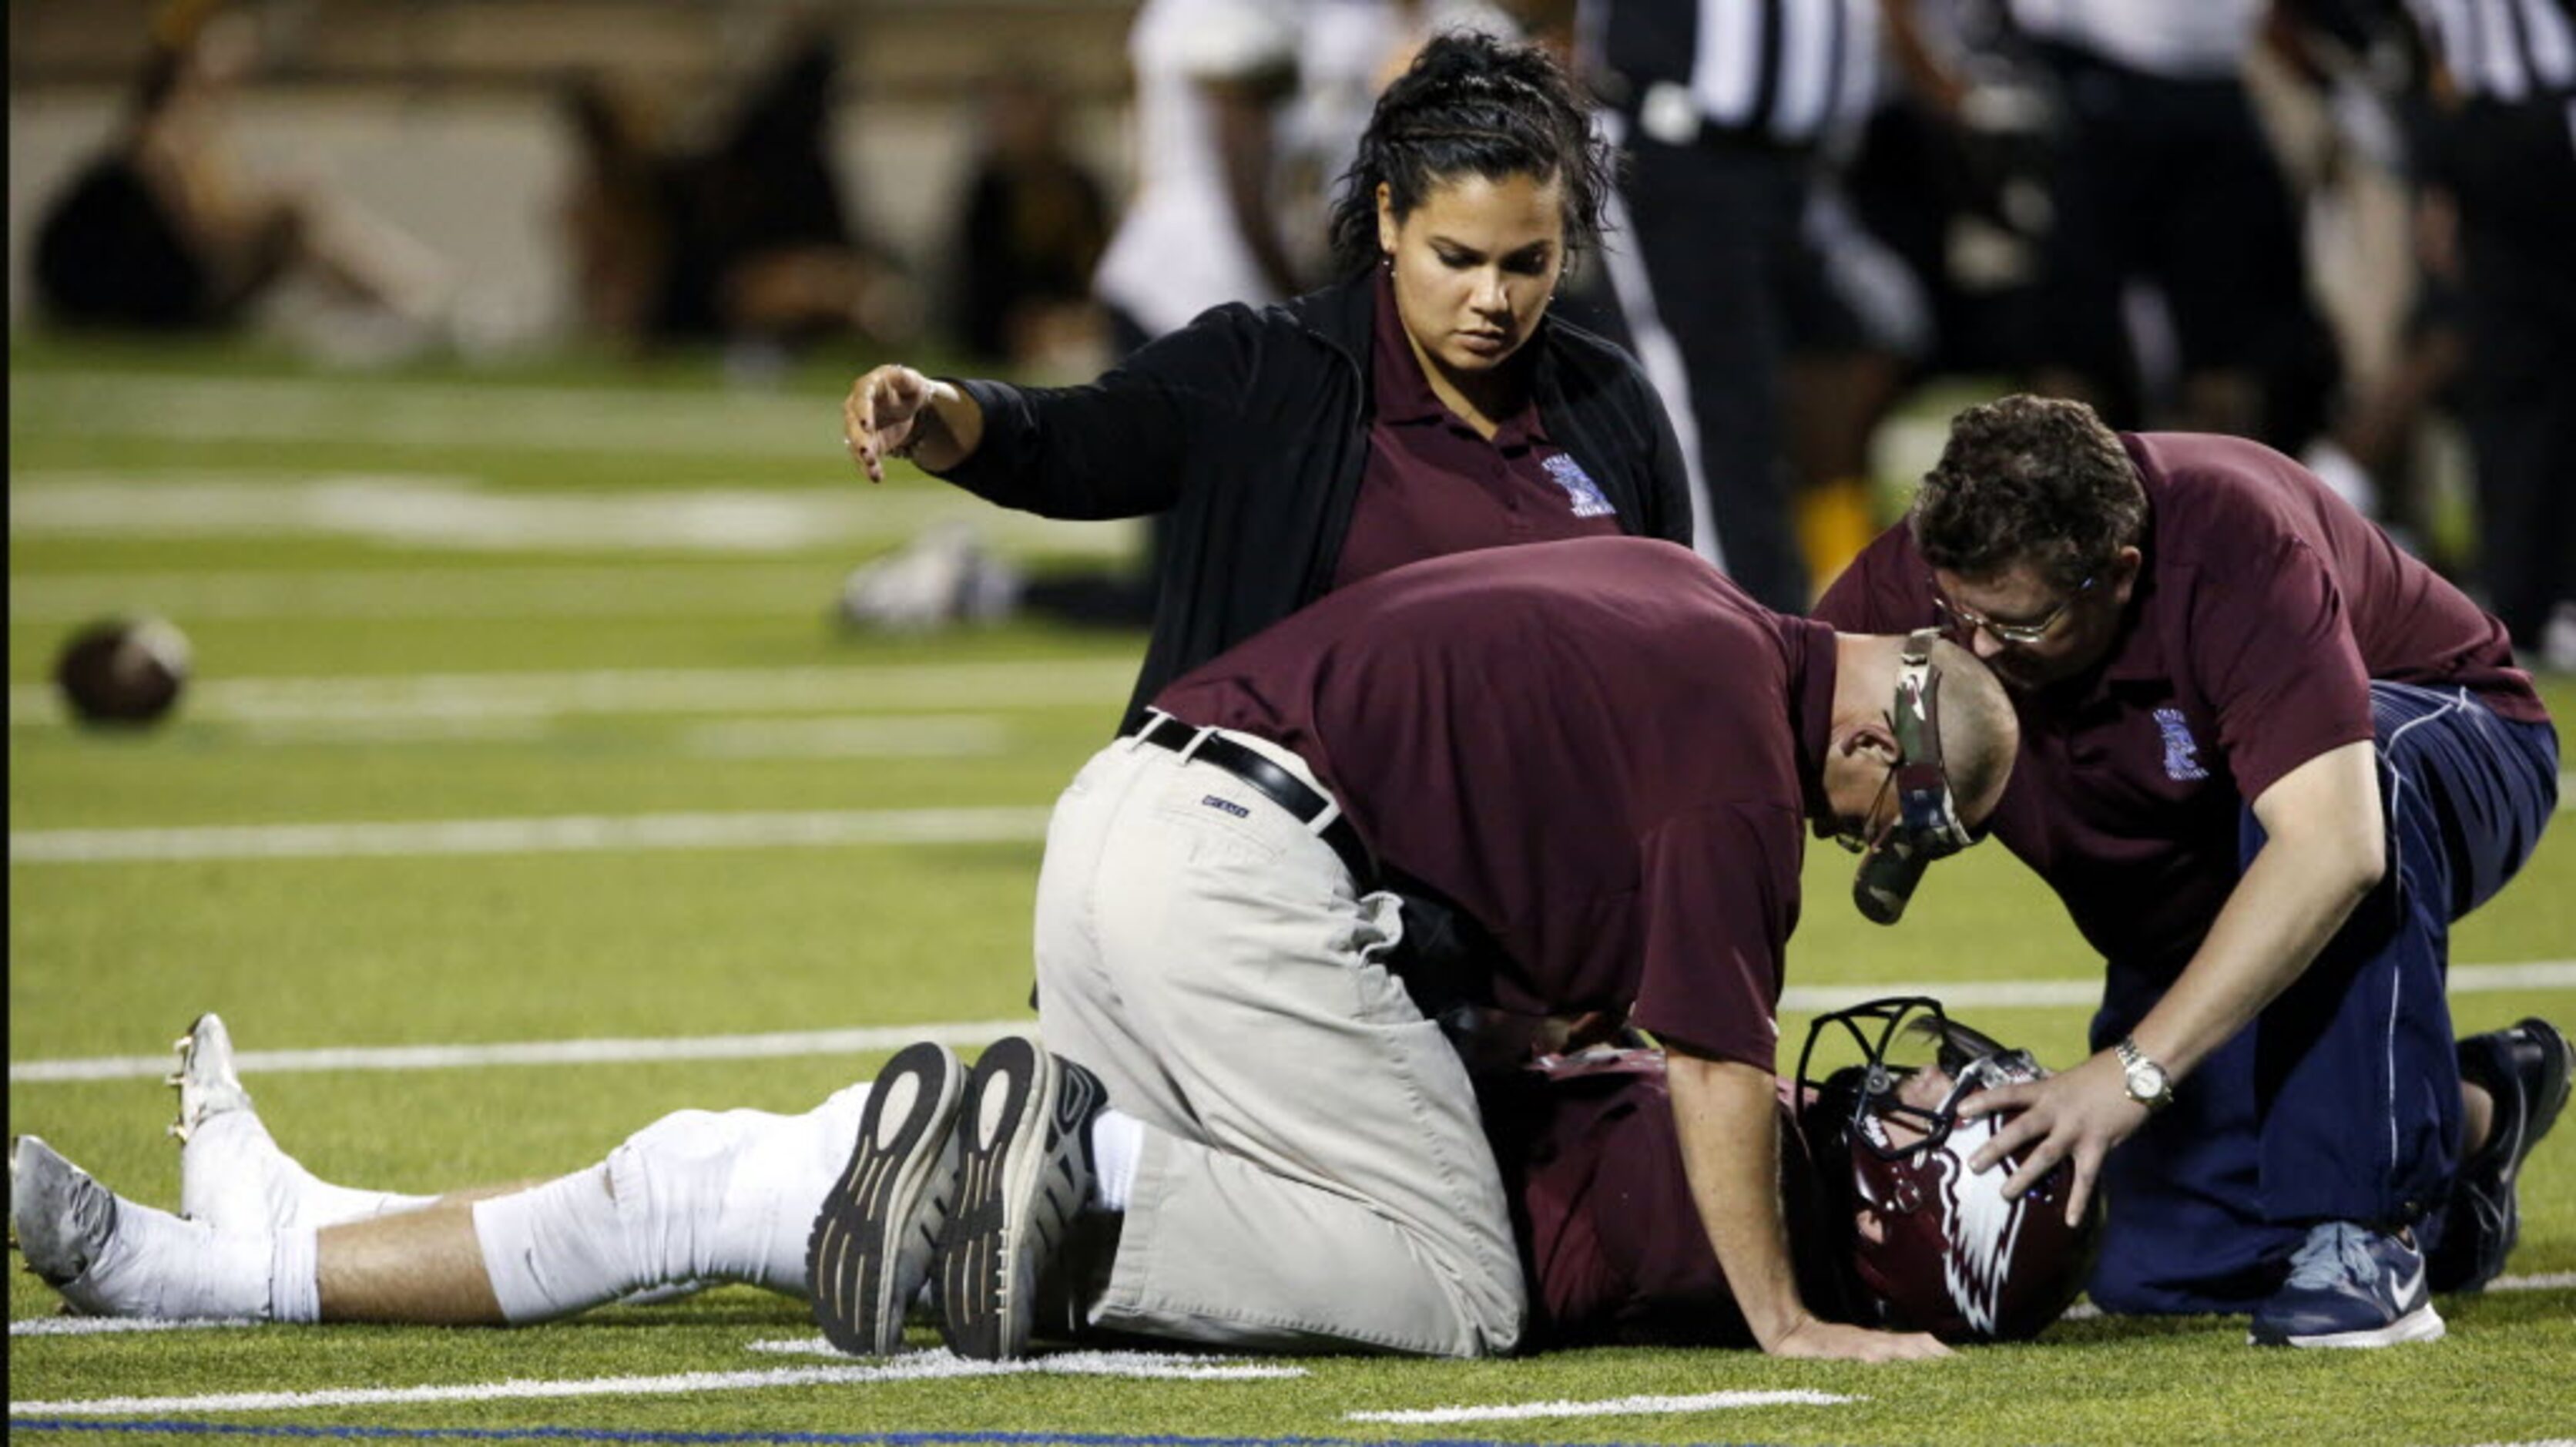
2134,1064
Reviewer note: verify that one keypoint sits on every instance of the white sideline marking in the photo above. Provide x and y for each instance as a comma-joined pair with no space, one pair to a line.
432,414
970,1034
910,737
1180,1366
918,1366
625,590
2546,1281
113,1325
891,688
1614,1407
2058,994
816,1346
555,834
464,514
966,1034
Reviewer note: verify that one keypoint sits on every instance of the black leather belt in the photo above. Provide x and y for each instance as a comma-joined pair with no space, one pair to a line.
1280,787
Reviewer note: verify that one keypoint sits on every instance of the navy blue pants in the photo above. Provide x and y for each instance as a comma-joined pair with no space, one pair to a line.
2341,1102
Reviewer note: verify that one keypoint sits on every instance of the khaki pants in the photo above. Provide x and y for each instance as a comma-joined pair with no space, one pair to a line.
1314,1174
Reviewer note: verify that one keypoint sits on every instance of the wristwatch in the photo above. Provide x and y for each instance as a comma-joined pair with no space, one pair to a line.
2148,1084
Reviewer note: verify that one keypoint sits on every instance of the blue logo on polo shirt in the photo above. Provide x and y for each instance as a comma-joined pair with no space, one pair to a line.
1579,486
2182,751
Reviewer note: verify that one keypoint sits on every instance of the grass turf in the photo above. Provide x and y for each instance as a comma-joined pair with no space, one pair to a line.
110,959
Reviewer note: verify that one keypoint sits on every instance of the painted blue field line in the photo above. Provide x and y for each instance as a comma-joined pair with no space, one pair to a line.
784,1439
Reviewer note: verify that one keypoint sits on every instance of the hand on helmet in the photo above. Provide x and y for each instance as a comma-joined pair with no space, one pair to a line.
2075,1116
1817,1338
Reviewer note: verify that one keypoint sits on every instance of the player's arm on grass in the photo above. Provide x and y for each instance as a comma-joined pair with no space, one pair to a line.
1726,1114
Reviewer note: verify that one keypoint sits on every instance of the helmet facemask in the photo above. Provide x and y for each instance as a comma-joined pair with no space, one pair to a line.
1934,1246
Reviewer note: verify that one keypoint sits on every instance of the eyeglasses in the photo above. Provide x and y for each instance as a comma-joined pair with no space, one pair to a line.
1957,619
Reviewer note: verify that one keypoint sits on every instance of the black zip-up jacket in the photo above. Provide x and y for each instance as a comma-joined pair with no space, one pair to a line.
1254,427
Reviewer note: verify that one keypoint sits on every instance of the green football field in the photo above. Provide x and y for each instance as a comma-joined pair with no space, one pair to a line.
525,775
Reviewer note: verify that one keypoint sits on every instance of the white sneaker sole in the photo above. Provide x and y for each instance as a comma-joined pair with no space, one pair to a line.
871,1245
2421,1324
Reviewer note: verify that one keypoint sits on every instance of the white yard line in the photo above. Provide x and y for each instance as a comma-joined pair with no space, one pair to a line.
1181,1366
857,688
619,590
816,1346
917,1366
467,514
551,834
118,1325
907,737
445,416
972,1034
1613,1407
962,1034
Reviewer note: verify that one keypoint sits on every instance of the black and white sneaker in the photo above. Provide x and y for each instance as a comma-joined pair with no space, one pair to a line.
1023,1175
2526,1070
873,1242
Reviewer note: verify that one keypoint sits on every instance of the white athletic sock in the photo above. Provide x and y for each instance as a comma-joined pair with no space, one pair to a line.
554,1249
295,1276
775,1187
1117,1148
156,1265
233,1177
695,1196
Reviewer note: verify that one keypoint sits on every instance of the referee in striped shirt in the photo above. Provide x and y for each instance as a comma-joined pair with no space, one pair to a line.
2502,145
1721,108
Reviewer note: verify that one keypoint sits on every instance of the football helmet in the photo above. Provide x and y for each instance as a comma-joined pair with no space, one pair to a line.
1946,1252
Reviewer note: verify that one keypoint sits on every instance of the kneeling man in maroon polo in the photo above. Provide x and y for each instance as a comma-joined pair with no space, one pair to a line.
1602,753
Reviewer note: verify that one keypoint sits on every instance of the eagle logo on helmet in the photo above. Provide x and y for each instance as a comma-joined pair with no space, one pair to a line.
1935,1246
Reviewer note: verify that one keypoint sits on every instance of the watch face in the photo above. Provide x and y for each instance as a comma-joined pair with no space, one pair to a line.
2146,1081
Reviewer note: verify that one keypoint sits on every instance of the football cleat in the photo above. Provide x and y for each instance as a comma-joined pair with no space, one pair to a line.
1023,1176
2350,1286
2526,1070
207,1083
872,1244
62,1219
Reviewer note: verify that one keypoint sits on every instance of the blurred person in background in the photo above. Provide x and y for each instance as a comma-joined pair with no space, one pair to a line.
1214,79
1721,110
1426,403
2166,185
1859,327
166,230
1031,232
746,239
2499,163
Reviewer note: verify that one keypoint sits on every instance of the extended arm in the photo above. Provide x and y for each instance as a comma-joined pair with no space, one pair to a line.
1727,1118
896,411
2325,850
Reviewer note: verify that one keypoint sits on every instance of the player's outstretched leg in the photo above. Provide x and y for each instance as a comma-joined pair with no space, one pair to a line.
232,1174
2526,1070
1024,1173
871,1246
112,1257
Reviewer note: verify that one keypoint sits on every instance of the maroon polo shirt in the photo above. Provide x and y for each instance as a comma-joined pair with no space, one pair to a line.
1434,486
2265,608
1597,748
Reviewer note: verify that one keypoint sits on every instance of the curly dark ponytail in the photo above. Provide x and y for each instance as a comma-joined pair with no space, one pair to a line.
1472,104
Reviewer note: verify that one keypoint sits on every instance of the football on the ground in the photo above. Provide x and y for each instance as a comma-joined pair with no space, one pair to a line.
123,671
